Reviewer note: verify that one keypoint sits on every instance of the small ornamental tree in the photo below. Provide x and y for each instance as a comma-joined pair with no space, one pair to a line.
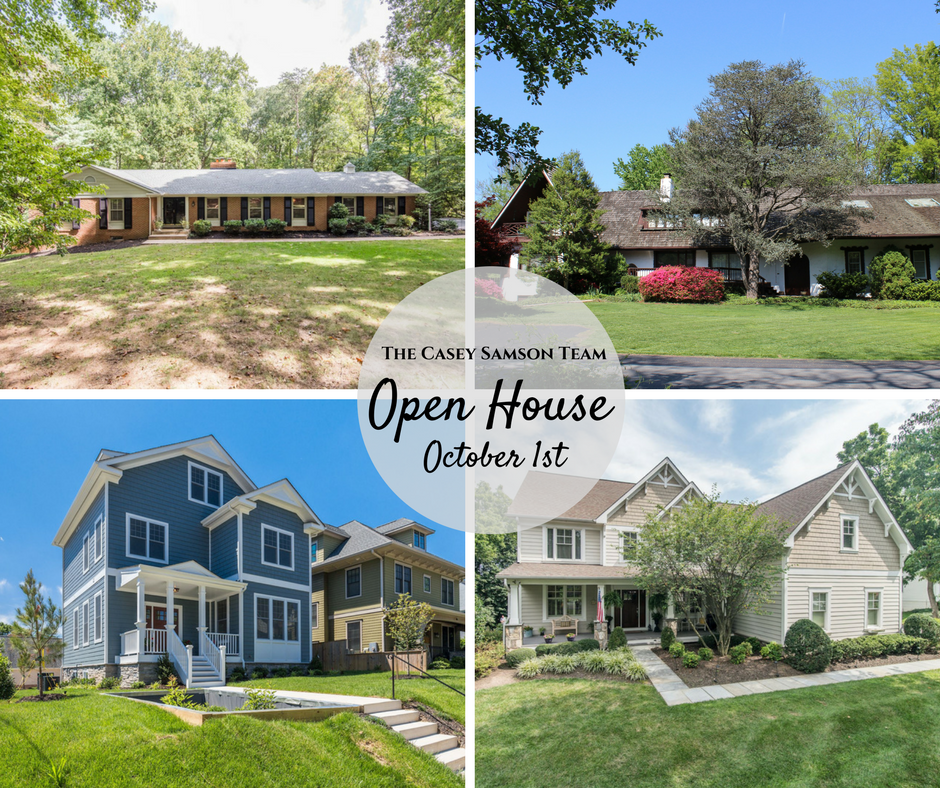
681,283
924,563
490,247
24,664
920,625
406,621
37,625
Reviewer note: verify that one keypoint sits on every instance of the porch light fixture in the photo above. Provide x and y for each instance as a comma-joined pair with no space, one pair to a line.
176,589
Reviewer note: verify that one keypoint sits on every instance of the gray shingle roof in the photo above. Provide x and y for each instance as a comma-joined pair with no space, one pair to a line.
268,182
793,506
361,539
536,495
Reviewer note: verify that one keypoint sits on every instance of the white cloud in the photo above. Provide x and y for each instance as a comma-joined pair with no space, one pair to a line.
4,583
278,35
717,416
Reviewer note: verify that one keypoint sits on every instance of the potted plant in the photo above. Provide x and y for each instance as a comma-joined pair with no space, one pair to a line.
527,631
612,599
542,631
571,636
158,223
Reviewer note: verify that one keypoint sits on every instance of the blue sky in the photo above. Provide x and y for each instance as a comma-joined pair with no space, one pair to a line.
616,105
751,449
47,447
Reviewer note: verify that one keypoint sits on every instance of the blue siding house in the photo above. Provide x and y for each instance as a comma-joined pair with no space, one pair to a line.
175,550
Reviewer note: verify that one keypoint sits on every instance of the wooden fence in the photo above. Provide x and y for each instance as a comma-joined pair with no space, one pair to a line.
334,656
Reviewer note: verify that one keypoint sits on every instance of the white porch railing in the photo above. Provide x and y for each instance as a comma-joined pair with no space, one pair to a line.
181,656
129,642
214,654
154,641
230,642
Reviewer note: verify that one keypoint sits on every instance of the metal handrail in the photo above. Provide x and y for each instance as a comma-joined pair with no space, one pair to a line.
395,656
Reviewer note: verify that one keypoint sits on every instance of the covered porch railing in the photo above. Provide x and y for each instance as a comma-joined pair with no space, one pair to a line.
227,641
213,653
181,656
154,641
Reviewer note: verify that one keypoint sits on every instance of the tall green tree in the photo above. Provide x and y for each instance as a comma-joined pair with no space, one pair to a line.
909,89
924,564
708,556
872,450
860,125
761,162
548,42
643,167
494,549
37,626
564,228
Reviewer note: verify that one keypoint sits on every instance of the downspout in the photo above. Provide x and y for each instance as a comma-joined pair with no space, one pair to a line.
381,593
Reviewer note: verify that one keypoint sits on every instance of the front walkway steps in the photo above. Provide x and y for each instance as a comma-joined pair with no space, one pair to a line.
169,234
204,675
676,692
425,736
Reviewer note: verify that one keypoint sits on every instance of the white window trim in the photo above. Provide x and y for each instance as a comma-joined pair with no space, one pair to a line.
218,209
828,593
86,553
302,206
574,542
271,600
315,615
881,609
411,578
857,520
346,582
314,549
264,527
217,618
99,538
427,585
260,208
565,586
355,621
86,624
453,592
166,538
99,620
205,486
620,532
76,627
111,209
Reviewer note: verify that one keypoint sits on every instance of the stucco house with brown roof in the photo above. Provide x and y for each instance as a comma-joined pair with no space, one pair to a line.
844,556
904,216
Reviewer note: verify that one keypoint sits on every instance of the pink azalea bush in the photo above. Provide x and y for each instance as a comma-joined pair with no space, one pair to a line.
680,283
487,287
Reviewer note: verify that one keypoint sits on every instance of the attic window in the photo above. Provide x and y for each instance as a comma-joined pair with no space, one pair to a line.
90,179
856,204
923,202
205,486
419,541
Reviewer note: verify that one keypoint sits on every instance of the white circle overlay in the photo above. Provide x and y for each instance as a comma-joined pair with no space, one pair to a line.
491,376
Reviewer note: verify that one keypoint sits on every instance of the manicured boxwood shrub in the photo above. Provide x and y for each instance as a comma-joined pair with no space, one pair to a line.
519,655
891,274
667,638
441,664
921,625
677,650
357,224
564,649
738,653
254,226
233,226
923,291
276,226
683,284
630,283
617,639
772,650
690,660
238,674
7,687
705,654
842,285
202,227
754,644
588,644
259,673
807,647
338,219
877,646
280,673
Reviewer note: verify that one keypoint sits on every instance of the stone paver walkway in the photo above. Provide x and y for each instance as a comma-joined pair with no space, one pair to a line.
676,692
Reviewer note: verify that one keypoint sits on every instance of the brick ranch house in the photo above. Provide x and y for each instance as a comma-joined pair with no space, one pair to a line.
133,200
901,216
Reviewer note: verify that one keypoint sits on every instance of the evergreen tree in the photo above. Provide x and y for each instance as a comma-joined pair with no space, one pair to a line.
37,624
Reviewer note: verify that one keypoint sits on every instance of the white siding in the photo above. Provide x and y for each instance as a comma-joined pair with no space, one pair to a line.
847,600
633,515
532,543
533,608
767,624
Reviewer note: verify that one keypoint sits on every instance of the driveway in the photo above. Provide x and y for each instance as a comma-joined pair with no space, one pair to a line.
709,372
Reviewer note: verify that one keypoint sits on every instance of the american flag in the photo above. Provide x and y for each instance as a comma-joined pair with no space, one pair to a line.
600,605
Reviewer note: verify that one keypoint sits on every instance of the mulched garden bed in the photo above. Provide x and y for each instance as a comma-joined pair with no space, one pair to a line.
755,668
47,696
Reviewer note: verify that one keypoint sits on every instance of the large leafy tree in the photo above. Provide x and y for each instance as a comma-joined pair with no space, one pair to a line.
643,167
760,160
564,227
860,125
36,628
713,557
494,550
909,89
549,42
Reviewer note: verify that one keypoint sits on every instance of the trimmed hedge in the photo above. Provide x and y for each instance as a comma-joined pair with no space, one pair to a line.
876,646
842,285
705,654
7,687
617,640
567,648
519,655
921,625
808,648
667,638
202,227
923,291
683,284
233,226
739,653
690,660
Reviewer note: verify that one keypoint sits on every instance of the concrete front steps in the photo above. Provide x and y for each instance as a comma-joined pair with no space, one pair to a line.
425,736
169,234
204,674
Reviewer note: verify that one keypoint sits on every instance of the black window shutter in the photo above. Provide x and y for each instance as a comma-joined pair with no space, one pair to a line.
128,213
200,208
311,219
360,206
287,211
103,212
76,204
379,206
223,209
266,213
337,199
401,206
244,208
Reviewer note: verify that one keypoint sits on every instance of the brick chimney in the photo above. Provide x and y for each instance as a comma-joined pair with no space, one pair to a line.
223,164
350,167
665,187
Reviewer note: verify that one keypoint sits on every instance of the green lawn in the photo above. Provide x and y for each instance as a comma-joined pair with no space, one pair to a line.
772,330
112,742
226,315
564,732
379,684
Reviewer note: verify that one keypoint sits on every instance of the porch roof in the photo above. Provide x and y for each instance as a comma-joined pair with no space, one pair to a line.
558,571
186,576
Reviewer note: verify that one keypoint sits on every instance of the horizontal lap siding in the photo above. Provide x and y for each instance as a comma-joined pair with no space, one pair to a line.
268,514
73,574
273,590
847,601
93,653
765,625
417,585
371,591
634,514
532,543
224,548
533,608
160,491
371,628
318,596
326,544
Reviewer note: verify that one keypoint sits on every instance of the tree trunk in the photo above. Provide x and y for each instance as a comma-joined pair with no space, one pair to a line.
752,275
39,676
933,600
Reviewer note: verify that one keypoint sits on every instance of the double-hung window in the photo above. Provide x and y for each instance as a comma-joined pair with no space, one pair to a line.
298,210
819,608
419,540
353,582
277,547
212,208
427,584
921,263
314,547
854,261
146,539
563,544
86,552
221,616
255,208
628,543
86,625
116,209
350,203
447,591
315,615
873,609
354,636
402,579
76,628
561,600
205,485
98,618
391,206
849,534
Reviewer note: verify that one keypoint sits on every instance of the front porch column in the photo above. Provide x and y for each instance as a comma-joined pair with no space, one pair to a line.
670,620
202,607
170,611
141,605
514,592
600,633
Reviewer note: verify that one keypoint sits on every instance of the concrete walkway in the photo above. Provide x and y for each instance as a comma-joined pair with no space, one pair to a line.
708,372
676,692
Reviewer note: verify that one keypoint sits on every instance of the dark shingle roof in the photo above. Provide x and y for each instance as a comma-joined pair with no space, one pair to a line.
793,506
562,571
539,491
361,539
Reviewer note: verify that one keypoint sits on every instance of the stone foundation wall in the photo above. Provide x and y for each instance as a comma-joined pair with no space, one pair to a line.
143,671
94,672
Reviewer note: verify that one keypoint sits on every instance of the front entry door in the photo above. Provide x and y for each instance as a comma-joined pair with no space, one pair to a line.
449,638
796,276
156,618
174,210
632,613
